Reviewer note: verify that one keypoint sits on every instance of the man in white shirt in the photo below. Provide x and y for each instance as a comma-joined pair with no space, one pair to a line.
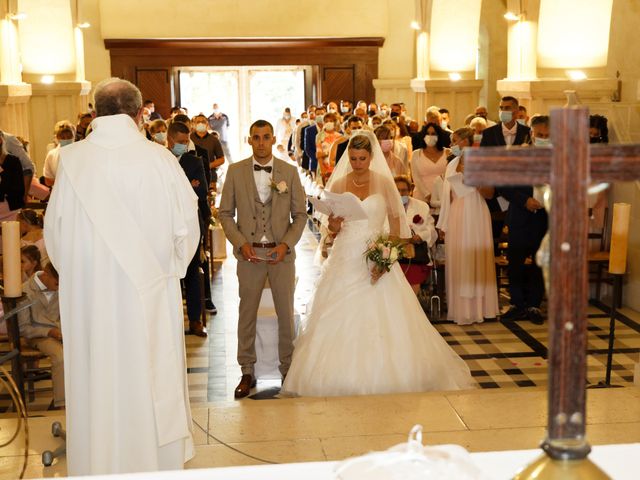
121,228
263,214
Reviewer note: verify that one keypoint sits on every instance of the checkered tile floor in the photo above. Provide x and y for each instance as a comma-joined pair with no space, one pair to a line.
499,355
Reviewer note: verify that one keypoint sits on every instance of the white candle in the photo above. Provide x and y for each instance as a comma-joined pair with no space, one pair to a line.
11,271
619,238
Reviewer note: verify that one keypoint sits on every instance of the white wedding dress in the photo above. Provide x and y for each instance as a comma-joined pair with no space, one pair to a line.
369,339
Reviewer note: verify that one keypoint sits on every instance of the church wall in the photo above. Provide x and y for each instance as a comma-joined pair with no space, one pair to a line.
624,57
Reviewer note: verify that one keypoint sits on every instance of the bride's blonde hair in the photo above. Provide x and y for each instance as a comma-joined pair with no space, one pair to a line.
360,142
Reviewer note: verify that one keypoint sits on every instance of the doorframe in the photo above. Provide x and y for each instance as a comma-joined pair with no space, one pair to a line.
361,53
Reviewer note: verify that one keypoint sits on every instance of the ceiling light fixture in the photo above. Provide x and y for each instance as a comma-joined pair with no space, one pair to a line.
576,75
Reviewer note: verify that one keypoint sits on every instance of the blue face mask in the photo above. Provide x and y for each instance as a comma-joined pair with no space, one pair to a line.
65,141
405,199
456,150
505,116
541,142
179,149
521,121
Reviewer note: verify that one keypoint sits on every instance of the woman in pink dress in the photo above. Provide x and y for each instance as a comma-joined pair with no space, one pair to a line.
429,162
472,295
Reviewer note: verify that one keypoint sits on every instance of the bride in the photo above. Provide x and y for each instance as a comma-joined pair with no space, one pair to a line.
366,333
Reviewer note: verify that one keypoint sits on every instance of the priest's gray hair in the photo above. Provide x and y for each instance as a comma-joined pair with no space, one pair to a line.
114,96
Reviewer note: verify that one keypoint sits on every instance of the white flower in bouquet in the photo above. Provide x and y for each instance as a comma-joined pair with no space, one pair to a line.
394,254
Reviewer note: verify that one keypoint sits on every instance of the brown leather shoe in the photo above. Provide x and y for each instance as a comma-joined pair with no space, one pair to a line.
197,329
247,382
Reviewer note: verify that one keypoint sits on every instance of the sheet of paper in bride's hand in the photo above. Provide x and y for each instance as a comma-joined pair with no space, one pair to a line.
345,205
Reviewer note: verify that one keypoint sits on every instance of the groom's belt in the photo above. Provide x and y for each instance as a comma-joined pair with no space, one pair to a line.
264,245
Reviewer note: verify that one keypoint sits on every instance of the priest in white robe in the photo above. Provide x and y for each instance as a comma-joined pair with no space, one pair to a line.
121,229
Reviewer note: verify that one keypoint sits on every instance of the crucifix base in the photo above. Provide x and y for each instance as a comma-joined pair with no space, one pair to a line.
546,468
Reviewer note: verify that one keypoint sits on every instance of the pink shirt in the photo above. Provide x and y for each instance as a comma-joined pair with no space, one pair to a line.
424,171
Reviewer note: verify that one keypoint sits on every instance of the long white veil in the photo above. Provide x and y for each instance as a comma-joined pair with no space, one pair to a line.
381,183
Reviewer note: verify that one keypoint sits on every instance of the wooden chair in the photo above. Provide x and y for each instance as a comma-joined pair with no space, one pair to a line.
25,368
599,260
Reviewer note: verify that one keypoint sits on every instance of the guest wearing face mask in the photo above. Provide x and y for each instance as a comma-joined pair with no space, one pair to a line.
324,141
207,144
310,134
385,138
64,136
178,144
522,118
508,132
158,132
481,111
284,128
423,234
527,223
445,120
372,110
479,125
338,148
346,107
465,222
428,162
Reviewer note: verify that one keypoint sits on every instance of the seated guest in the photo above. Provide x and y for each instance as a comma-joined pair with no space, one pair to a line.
31,230
472,294
423,234
40,325
64,136
385,138
158,131
177,143
30,258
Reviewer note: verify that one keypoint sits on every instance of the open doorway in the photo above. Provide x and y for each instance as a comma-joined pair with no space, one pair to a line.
244,94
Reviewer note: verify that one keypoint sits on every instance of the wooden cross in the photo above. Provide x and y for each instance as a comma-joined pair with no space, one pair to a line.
570,166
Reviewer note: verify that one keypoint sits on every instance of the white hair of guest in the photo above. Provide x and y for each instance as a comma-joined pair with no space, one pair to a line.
478,121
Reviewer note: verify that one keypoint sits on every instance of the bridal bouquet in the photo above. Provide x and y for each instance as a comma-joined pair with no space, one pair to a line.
383,253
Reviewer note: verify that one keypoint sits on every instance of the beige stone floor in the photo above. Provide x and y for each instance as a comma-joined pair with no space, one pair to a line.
306,429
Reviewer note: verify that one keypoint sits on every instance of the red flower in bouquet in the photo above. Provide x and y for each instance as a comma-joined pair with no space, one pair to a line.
417,219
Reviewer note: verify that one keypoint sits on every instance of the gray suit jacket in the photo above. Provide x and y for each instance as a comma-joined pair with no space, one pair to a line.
237,206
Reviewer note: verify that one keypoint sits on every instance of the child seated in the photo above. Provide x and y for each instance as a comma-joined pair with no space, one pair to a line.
30,258
40,325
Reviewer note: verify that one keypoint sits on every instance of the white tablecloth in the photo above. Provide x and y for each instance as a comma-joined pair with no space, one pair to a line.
621,462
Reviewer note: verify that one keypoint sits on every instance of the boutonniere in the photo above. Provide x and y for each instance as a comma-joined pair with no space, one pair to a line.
280,187
417,219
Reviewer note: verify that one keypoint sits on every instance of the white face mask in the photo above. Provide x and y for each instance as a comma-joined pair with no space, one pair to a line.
287,116
541,142
405,199
521,121
160,137
201,127
344,109
333,110
444,125
477,138
329,126
456,150
505,116
216,111
430,140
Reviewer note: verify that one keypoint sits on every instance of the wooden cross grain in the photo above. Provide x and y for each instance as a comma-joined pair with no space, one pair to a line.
570,166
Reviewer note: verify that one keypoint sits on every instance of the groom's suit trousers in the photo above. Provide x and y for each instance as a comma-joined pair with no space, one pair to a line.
251,279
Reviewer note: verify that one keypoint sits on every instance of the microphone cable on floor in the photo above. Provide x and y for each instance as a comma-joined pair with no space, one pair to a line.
233,448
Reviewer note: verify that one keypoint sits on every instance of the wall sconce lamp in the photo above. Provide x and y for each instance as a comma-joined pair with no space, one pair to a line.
83,25
48,79
454,76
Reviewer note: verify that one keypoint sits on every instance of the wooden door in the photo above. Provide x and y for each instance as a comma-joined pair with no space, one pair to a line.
337,83
155,84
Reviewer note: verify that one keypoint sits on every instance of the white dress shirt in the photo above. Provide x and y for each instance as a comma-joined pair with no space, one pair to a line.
509,133
263,181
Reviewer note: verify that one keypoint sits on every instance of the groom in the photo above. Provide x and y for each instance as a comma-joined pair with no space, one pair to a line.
266,198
